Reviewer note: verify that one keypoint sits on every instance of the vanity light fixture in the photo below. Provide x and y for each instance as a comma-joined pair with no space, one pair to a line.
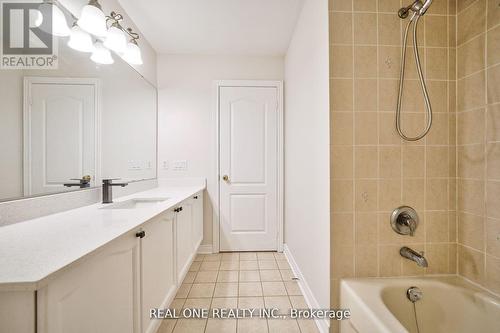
80,40
115,38
101,55
132,53
59,24
93,19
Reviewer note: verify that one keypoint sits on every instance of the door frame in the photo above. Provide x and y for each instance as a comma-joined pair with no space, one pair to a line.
28,82
280,157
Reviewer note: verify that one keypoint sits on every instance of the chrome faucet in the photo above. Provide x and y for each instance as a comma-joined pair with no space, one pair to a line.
107,190
408,253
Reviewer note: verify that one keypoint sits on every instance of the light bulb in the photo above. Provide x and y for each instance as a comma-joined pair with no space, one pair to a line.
116,40
59,23
93,19
132,54
101,55
80,40
36,18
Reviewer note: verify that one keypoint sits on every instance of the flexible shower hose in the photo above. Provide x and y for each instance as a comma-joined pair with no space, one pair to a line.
414,19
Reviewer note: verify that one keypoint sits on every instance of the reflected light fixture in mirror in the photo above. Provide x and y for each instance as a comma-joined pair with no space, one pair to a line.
115,39
36,18
80,40
101,55
59,24
132,54
93,19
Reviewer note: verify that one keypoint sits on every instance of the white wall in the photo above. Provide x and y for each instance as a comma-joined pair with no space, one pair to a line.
187,111
307,190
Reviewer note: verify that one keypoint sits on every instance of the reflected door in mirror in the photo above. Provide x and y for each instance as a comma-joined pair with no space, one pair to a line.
60,124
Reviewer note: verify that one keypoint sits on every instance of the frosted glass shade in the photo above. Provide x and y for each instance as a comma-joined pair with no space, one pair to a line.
93,21
101,55
80,40
116,40
132,54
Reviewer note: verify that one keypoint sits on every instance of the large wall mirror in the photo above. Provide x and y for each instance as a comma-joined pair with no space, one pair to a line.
81,122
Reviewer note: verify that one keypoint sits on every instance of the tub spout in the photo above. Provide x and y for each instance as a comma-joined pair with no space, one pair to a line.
408,253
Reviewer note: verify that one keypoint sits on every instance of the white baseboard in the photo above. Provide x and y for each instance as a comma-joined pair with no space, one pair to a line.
322,324
205,249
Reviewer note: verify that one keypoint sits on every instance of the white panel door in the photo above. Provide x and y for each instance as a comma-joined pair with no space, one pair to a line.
61,136
248,168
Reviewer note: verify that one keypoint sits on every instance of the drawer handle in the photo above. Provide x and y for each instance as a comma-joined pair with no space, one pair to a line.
195,197
178,210
140,234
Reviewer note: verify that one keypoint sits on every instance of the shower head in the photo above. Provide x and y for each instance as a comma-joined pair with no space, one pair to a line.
418,7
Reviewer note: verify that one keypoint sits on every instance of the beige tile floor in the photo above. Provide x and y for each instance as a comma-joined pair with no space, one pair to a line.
239,280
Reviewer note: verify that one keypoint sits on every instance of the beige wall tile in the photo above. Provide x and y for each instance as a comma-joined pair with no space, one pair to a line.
341,94
364,23
493,237
436,227
471,21
389,63
390,6
365,94
437,63
365,61
470,56
342,230
471,264
470,127
365,195
366,162
470,195
366,229
366,131
436,194
471,231
390,162
341,28
413,161
413,193
389,194
493,123
392,263
387,129
389,29
493,13
366,261
341,162
342,262
433,24
471,161
471,92
342,5
341,124
494,46
492,273
342,196
493,75
463,4
388,94
437,257
493,161
492,197
365,5
341,61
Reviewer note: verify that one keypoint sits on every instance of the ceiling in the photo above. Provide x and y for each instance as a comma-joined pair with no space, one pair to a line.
242,27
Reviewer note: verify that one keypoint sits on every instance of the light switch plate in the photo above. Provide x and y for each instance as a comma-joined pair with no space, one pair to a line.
179,165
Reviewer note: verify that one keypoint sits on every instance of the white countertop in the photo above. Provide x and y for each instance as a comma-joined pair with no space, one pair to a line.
33,250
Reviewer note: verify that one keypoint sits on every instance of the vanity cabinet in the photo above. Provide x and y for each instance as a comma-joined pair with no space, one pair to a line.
157,266
101,294
113,288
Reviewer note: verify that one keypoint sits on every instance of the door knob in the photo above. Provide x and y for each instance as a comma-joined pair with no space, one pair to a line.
225,178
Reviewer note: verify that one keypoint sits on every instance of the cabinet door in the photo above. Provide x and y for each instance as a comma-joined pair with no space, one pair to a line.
100,295
184,239
197,219
158,277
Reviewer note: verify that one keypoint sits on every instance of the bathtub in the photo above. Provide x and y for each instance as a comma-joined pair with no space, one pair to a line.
449,304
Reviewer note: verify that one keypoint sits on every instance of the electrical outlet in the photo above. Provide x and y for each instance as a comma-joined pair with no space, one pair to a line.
180,165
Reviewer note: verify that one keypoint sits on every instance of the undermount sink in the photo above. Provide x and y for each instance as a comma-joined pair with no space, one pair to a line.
136,203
